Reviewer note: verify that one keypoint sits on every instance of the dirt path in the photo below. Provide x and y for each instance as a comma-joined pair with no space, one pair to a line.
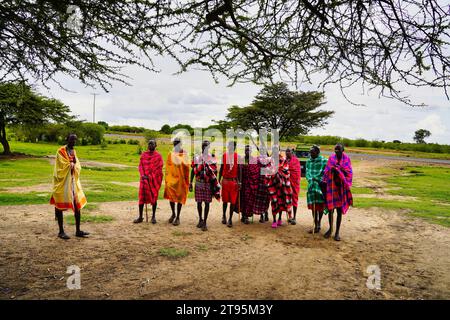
122,260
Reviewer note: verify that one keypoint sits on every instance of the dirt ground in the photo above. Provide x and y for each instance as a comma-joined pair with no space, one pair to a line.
121,260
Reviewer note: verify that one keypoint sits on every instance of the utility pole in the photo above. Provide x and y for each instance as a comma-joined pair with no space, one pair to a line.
93,115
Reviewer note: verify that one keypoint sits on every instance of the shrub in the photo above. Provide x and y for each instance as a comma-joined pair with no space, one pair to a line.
133,141
151,134
376,144
361,143
93,133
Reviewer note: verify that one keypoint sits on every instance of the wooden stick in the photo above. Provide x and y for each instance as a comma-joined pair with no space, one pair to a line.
332,222
314,217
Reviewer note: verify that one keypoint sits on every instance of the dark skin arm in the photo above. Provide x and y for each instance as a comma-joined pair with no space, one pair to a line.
220,172
192,179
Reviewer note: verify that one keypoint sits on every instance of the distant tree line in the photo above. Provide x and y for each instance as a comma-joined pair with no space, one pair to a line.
30,116
87,133
363,143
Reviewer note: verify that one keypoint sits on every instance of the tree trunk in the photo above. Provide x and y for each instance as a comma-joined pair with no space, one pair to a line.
3,140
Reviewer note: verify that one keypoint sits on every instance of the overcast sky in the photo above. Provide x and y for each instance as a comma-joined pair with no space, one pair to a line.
194,98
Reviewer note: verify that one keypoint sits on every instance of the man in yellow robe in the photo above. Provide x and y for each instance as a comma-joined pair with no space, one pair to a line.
67,192
177,180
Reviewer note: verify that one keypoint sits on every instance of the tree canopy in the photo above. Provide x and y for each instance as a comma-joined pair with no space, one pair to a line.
420,135
382,44
20,105
276,107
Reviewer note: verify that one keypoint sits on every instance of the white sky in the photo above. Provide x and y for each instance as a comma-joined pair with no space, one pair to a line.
193,98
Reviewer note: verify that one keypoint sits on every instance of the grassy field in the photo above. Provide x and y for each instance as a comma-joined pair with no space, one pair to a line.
28,181
428,185
394,153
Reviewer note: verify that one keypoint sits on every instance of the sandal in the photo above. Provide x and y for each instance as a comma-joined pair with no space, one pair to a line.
171,218
293,222
153,221
204,227
200,223
280,223
176,222
138,220
274,225
81,234
63,236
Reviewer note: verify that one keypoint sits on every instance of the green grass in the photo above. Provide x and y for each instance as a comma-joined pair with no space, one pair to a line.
391,152
362,190
98,185
113,153
181,233
70,219
428,184
202,247
423,182
173,252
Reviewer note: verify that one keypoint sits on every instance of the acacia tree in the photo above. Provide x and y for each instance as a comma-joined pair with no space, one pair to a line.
382,44
20,105
276,107
420,135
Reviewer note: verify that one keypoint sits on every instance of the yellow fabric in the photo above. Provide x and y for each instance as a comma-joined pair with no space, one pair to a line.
67,186
177,177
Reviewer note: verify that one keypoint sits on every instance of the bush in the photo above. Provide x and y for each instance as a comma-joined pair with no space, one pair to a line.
151,134
376,144
129,129
93,133
139,149
361,143
90,133
133,142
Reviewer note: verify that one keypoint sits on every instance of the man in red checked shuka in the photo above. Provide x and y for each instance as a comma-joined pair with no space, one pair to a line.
229,178
150,170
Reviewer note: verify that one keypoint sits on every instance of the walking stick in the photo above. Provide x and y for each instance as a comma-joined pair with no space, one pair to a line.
332,222
239,192
314,213
145,199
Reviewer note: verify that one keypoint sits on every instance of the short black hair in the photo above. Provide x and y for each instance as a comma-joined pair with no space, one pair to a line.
340,145
70,134
315,147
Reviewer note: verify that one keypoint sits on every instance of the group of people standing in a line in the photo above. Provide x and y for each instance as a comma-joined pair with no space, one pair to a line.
247,185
